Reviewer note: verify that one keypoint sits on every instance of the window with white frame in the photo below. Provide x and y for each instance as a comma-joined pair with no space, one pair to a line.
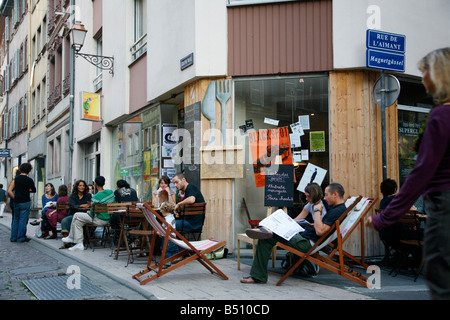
139,46
98,80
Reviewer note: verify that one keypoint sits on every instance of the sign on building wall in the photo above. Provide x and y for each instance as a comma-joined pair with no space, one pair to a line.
385,50
90,106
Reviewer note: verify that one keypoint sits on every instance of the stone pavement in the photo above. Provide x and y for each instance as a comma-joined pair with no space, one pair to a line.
190,282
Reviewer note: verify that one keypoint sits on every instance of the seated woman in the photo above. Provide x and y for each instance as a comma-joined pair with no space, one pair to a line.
314,195
49,199
54,216
163,193
79,199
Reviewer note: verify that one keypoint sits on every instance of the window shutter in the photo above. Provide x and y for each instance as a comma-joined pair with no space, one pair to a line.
7,29
5,129
7,78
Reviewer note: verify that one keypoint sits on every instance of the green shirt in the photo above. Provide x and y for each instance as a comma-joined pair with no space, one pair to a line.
105,196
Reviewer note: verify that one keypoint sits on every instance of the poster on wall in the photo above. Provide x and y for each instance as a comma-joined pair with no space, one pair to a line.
317,141
168,141
90,108
312,173
268,145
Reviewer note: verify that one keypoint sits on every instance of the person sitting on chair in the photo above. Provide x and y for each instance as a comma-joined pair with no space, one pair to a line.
192,195
302,241
82,218
167,212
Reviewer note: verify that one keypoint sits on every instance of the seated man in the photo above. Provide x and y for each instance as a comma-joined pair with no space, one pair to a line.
192,194
334,196
82,218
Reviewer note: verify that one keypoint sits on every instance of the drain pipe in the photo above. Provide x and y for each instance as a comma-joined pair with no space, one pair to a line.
71,94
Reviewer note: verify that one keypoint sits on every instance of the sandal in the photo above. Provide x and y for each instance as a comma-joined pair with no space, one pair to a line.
252,280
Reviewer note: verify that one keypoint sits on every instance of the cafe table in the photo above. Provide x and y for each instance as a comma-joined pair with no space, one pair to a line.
131,219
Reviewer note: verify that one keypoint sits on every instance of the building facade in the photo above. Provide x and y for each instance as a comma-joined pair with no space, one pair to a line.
285,61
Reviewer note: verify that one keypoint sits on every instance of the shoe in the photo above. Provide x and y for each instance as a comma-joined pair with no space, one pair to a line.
259,233
251,280
67,239
78,246
53,236
35,223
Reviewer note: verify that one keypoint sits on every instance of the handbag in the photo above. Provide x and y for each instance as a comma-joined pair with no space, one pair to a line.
217,254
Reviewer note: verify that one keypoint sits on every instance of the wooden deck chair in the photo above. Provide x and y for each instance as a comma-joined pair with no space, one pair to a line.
195,250
357,208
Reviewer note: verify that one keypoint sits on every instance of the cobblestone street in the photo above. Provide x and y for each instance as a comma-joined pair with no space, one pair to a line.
20,261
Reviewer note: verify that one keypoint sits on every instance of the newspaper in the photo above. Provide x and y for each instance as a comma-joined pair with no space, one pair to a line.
281,224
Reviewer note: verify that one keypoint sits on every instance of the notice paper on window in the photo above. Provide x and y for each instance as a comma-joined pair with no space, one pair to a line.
281,224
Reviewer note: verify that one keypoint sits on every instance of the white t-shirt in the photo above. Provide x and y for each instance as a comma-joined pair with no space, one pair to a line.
309,207
170,219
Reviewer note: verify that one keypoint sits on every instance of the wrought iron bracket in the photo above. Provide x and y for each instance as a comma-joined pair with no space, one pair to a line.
102,62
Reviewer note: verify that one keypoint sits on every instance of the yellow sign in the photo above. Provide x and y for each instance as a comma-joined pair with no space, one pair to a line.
90,106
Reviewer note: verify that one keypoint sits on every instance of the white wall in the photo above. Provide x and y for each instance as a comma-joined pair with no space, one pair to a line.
177,28
425,24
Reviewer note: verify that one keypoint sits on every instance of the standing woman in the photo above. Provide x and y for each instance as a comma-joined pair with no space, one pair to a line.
22,186
430,177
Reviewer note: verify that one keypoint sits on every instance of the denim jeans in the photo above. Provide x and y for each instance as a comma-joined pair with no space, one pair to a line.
437,244
20,221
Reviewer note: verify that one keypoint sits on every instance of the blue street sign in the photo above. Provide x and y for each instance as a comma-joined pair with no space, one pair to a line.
386,41
5,153
385,60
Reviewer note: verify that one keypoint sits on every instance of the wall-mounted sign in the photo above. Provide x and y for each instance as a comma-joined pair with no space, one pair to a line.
386,41
385,50
5,153
90,106
187,61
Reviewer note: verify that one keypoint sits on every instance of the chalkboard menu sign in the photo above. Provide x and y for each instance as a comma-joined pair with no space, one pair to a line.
279,186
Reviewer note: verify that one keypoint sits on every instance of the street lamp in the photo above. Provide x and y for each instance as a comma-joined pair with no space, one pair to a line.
77,36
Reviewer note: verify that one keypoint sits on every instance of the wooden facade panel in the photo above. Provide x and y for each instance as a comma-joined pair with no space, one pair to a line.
280,38
355,146
218,193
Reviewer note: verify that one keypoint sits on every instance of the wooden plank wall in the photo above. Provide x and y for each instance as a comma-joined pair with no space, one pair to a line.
218,193
356,141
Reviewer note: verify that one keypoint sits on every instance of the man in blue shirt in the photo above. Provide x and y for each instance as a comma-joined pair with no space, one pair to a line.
303,241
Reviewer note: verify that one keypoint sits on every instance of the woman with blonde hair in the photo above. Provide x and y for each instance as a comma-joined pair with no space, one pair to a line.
430,177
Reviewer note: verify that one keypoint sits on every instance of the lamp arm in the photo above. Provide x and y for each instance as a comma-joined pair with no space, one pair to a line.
102,62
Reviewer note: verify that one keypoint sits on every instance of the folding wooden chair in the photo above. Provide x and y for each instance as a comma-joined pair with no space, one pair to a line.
357,209
195,250
90,237
60,206
410,247
191,210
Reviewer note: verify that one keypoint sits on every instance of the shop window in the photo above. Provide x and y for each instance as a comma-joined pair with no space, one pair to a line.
283,99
